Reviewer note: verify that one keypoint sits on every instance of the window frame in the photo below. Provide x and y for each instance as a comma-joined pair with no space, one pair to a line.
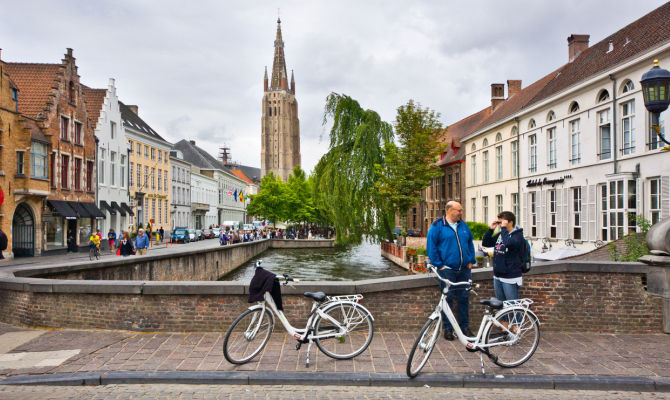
602,125
628,136
575,142
552,151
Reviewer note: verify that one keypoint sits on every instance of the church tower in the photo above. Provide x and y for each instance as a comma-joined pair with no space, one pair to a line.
280,127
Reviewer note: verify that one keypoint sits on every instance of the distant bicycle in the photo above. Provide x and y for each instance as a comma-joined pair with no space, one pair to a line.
509,338
339,325
93,251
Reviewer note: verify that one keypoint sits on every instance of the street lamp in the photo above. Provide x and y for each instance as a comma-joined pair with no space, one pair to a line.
655,84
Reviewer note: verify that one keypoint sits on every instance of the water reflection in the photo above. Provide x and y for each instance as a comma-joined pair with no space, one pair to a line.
334,264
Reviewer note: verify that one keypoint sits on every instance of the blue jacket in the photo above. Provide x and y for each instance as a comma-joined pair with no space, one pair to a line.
507,253
447,248
142,242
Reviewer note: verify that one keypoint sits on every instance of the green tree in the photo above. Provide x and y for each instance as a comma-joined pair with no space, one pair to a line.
272,201
344,178
301,205
410,166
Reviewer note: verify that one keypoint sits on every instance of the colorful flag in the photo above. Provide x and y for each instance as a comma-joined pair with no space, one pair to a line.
241,198
235,195
230,192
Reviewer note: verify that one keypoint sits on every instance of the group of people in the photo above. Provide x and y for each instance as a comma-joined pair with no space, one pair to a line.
451,250
122,243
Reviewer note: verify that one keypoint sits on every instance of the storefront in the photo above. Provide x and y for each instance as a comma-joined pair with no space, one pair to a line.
64,217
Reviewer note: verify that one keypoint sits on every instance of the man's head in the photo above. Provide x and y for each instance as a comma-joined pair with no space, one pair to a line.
507,220
140,231
454,211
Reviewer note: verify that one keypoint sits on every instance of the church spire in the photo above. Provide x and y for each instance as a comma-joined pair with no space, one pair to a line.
265,80
279,64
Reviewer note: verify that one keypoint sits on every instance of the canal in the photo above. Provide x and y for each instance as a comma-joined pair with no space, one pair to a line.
352,263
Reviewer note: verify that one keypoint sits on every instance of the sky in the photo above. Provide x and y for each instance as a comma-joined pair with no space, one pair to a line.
195,69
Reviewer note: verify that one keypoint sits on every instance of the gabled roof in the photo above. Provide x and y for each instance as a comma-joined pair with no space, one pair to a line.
132,120
35,83
253,173
197,156
94,100
455,132
238,173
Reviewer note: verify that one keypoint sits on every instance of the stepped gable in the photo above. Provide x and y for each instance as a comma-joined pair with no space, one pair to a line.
94,100
36,83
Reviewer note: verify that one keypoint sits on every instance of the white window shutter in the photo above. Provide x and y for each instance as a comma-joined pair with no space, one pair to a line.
665,196
525,223
591,218
639,197
540,214
565,223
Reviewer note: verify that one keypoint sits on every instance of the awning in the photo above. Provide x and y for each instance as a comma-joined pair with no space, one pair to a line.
116,206
79,209
104,205
93,210
128,209
63,209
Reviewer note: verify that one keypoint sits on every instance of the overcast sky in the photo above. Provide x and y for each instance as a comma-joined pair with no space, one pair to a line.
195,69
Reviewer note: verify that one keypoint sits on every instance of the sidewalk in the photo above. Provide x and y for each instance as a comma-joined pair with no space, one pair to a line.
602,360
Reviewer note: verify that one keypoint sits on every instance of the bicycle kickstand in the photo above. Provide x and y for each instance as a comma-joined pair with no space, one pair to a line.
309,346
481,360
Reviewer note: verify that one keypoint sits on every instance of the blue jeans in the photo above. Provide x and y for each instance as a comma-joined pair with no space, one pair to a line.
506,291
460,292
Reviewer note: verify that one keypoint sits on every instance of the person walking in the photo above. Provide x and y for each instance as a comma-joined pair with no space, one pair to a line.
71,242
161,232
509,246
141,242
451,250
111,240
126,245
3,244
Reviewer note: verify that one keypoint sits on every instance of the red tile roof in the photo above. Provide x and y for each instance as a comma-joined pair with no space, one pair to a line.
94,99
35,83
238,173
459,130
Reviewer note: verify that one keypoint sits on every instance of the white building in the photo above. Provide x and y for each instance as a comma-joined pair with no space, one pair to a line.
181,190
579,141
204,192
112,191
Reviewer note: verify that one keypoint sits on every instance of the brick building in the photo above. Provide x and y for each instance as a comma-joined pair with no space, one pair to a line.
52,96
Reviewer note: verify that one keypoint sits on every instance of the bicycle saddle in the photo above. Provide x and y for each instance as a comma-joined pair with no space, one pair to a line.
317,296
492,302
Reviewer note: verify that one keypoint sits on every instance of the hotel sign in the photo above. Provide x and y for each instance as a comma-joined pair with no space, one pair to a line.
547,181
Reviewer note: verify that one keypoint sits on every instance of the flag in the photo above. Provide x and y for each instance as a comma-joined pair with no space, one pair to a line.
241,197
230,192
235,195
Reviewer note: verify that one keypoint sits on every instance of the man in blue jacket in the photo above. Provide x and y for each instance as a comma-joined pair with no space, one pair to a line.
141,242
452,252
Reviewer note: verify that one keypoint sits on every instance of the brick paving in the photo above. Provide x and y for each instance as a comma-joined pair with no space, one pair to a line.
558,354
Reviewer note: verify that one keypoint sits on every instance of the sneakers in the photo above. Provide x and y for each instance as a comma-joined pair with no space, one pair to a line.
449,334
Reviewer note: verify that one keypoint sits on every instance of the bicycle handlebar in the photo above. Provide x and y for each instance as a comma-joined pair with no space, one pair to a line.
447,281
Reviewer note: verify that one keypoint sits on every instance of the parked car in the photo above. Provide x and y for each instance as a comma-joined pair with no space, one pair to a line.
192,236
208,234
414,232
180,235
199,235
216,232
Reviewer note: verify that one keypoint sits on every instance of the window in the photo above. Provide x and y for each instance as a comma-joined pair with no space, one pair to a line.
628,127
159,179
628,86
473,203
551,147
499,204
77,132
499,163
146,177
574,107
130,147
130,176
486,166
153,178
122,175
443,182
515,206
474,170
64,169
533,213
653,142
139,177
112,168
457,185
20,169
166,210
89,176
101,167
139,149
146,151
153,153
531,124
499,137
112,129
160,156
153,209
532,153
485,208
474,147
551,116
553,207
77,174
165,185
160,210
618,208
38,160
603,96
450,193
70,92
604,135
577,213
64,127
166,158
655,200
575,143
515,158
485,143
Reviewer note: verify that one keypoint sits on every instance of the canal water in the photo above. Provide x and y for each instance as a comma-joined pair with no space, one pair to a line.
351,263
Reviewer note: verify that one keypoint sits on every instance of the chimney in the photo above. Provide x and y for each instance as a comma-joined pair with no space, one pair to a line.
192,142
577,44
134,109
497,95
513,87
69,52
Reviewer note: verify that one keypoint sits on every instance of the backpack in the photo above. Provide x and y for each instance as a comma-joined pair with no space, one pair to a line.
526,257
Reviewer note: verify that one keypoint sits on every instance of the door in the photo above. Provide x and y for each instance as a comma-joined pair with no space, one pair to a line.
23,232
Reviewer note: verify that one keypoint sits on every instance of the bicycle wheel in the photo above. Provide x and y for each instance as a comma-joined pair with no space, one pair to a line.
517,351
423,346
91,253
247,336
358,327
97,254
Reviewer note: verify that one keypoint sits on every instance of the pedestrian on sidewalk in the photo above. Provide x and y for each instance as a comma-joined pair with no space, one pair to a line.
111,239
71,242
451,250
141,242
161,232
126,245
3,244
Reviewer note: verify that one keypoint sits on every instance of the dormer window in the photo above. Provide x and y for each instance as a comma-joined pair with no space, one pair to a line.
515,131
485,143
551,116
474,147
574,107
15,97
71,92
498,137
603,96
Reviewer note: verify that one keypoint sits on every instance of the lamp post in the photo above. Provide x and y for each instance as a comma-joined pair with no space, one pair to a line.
655,84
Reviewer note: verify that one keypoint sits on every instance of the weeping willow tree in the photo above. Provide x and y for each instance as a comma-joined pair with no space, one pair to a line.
344,178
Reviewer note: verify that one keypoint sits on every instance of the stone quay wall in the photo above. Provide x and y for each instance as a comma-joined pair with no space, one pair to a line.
568,296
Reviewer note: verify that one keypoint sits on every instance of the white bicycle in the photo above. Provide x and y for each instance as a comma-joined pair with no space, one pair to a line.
509,338
339,325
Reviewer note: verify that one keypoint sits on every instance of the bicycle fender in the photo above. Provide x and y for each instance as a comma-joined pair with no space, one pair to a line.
352,303
519,309
260,306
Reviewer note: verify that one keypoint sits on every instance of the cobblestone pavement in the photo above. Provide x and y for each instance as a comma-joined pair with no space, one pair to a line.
302,392
558,354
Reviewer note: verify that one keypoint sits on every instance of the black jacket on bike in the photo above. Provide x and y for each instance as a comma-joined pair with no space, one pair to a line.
507,253
265,281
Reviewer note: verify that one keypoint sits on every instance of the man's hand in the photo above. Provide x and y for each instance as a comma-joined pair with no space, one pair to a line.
469,266
494,224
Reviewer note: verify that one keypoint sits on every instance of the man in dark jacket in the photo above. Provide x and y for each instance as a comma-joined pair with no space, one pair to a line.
3,244
509,246
451,250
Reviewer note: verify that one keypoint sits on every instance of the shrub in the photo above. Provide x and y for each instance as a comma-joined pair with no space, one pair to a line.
478,229
634,243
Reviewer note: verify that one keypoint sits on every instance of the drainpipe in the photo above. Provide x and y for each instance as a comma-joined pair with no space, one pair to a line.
518,166
614,134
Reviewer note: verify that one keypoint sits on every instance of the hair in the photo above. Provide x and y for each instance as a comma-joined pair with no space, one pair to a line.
450,204
126,235
508,215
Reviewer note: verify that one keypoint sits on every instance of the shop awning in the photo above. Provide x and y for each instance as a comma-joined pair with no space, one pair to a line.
105,206
79,209
62,208
93,210
128,209
116,206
